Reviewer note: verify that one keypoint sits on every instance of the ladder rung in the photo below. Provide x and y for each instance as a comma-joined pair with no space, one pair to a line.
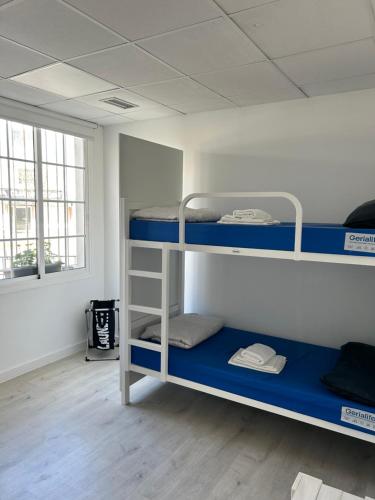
146,244
145,345
145,309
145,274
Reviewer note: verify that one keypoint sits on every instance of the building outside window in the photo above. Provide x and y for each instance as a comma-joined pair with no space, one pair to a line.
42,201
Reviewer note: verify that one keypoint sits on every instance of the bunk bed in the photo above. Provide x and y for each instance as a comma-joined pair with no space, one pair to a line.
297,392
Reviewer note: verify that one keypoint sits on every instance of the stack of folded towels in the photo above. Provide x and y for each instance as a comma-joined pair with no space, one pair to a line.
253,216
259,357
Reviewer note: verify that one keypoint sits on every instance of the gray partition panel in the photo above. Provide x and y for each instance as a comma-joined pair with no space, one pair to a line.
149,171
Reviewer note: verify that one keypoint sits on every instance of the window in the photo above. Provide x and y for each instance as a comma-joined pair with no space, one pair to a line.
42,201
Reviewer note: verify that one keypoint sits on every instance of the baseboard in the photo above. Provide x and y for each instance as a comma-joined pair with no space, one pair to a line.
29,366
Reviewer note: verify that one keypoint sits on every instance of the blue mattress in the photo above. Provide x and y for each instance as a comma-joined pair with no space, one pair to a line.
316,238
297,388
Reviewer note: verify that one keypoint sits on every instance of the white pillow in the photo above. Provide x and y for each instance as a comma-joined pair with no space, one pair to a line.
171,214
186,330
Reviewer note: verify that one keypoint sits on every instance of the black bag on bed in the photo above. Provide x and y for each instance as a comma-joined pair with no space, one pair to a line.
103,325
353,377
363,216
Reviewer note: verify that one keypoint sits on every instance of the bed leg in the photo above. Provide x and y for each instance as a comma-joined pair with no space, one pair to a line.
125,390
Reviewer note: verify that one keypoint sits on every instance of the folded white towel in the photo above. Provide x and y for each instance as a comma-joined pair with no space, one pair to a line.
258,354
274,366
253,213
231,219
253,216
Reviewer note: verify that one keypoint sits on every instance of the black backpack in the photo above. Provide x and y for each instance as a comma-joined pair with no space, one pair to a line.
363,216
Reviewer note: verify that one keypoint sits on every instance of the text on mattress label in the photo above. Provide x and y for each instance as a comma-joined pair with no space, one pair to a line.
358,417
360,242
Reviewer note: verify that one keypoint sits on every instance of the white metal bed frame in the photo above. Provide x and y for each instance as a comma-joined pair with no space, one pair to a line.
129,372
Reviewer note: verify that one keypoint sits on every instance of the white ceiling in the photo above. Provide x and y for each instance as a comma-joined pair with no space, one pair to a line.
171,57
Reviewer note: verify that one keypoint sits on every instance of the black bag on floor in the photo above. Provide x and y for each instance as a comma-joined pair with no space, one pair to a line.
103,325
353,377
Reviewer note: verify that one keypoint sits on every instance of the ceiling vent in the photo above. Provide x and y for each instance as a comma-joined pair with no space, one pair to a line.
119,103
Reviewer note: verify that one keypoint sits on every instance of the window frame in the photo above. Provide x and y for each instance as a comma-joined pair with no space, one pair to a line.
43,119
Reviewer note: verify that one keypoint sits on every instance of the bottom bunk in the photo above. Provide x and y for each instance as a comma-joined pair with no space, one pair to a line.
296,389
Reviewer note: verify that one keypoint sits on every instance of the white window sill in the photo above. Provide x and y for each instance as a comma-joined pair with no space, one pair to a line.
30,282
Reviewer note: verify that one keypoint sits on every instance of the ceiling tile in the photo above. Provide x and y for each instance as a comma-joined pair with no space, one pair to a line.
291,26
330,64
113,120
125,66
264,97
15,59
185,95
231,6
345,85
97,100
76,109
54,28
143,18
182,90
205,105
207,47
151,113
26,94
262,81
64,80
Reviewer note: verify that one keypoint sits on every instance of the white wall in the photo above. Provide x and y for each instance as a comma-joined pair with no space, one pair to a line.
46,322
321,149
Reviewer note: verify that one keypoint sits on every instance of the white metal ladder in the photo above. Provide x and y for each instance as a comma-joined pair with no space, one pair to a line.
163,311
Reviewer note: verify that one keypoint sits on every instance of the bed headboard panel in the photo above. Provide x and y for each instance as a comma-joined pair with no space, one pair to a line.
150,173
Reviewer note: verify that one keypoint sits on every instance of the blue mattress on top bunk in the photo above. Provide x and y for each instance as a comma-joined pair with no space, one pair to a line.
316,238
297,388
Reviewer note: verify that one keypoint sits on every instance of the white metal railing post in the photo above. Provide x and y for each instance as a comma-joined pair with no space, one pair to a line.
165,313
127,296
271,194
124,316
122,312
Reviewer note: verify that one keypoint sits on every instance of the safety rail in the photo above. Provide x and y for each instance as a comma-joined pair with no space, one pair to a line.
254,194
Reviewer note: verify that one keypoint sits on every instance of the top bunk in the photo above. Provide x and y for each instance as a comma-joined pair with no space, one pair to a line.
295,240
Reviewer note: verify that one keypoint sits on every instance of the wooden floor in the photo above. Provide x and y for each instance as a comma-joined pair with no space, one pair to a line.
64,435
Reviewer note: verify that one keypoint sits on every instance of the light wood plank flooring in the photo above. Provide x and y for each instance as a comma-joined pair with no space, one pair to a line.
64,435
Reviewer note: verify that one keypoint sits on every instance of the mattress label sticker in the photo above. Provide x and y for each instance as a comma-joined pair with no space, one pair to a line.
360,242
361,418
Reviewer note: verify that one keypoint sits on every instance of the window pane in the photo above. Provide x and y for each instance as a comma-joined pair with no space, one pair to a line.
3,138
54,219
4,179
75,184
74,151
24,258
75,219
5,260
23,219
53,182
52,146
21,141
76,253
22,180
4,220
54,254
64,201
